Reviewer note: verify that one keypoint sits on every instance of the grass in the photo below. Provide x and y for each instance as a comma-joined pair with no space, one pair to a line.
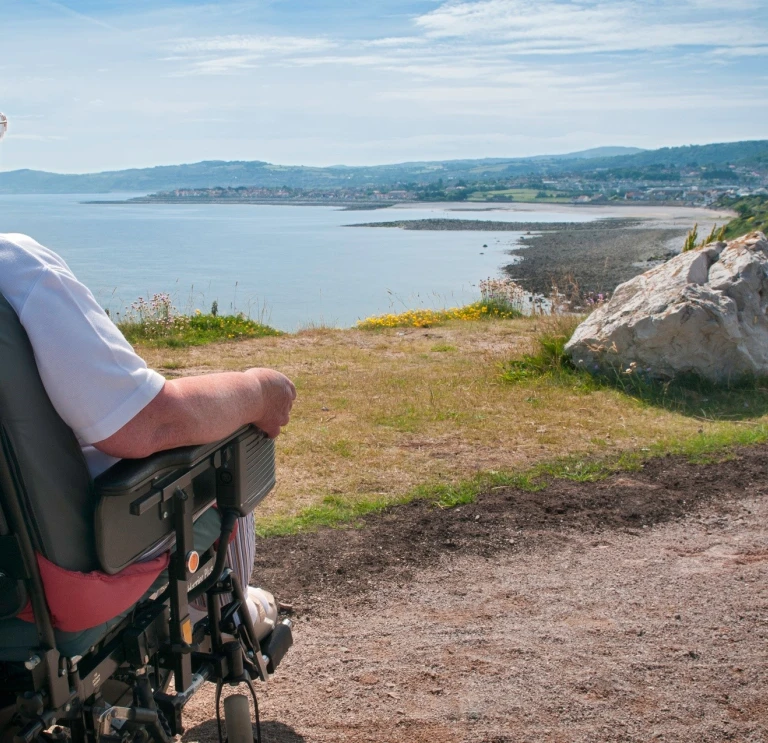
337,511
549,359
384,417
752,215
156,323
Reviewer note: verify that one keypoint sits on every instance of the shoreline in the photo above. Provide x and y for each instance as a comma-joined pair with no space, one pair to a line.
341,205
477,225
588,257
590,261
615,244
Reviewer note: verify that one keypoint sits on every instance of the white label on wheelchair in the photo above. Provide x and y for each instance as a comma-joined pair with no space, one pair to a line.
200,578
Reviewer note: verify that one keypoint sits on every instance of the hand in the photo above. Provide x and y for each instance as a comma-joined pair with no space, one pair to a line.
276,396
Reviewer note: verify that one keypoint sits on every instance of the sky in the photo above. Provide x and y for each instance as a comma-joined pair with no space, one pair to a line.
92,85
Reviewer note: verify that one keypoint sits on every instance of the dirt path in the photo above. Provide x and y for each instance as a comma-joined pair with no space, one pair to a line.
633,609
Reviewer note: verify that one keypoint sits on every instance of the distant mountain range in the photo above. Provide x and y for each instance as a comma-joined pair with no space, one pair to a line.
210,174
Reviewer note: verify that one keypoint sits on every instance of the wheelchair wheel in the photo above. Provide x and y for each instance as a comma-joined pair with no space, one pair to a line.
237,714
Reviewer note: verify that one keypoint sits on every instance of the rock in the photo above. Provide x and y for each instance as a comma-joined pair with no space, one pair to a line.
703,311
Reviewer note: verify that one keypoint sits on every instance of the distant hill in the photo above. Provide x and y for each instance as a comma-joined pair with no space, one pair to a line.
209,174
593,153
729,153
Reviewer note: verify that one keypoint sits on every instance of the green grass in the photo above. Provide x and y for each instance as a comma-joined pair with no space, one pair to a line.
549,359
753,215
523,195
195,330
336,510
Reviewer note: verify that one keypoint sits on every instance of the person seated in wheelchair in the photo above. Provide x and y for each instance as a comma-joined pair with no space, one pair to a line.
118,409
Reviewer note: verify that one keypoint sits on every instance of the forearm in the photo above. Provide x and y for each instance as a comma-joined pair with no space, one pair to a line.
199,410
190,410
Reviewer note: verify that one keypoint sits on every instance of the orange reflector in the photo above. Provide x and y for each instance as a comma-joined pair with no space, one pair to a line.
193,561
186,630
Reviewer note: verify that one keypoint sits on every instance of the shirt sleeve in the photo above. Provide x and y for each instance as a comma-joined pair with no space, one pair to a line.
94,378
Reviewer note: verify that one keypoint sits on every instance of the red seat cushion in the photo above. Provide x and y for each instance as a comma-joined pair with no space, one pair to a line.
79,601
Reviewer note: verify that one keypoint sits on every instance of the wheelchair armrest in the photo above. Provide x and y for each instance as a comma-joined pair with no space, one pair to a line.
131,474
134,513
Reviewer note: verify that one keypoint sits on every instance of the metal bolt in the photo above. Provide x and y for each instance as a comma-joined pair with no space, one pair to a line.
32,663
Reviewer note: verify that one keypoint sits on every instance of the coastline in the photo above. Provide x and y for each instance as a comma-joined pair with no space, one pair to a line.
595,256
613,244
591,260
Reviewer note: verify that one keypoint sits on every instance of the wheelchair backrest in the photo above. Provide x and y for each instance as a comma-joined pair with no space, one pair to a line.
46,469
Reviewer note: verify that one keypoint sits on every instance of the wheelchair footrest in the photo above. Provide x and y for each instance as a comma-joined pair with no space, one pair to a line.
276,644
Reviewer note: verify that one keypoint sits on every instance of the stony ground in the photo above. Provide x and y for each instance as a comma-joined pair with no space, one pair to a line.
632,609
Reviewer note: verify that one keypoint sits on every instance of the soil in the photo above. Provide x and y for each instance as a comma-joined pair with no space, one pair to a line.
629,609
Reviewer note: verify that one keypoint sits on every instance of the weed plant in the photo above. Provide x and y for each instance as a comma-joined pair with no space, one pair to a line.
549,359
157,323
715,235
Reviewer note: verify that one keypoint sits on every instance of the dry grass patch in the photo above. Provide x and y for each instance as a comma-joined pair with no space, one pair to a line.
381,413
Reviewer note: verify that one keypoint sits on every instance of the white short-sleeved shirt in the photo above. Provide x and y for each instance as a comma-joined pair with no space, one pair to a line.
95,380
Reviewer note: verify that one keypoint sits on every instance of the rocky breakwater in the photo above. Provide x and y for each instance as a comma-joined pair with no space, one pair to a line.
702,312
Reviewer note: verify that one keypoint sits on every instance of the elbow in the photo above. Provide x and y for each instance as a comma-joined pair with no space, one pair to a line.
150,431
125,447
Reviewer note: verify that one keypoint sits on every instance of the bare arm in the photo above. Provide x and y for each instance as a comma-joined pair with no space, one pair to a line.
204,409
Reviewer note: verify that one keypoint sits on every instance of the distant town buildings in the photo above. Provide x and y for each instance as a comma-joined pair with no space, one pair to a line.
692,186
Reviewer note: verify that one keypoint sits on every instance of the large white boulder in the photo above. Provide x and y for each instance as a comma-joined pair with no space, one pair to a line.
703,311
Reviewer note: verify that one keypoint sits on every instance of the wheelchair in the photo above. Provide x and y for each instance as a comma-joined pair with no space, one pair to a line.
96,640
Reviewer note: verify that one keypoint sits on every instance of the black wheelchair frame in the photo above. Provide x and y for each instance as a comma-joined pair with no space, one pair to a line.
120,690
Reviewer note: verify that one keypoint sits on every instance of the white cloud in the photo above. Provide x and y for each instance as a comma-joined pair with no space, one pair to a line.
395,41
258,44
207,55
587,26
742,51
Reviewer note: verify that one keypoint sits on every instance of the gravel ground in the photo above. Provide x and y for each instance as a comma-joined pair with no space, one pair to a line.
632,609
596,260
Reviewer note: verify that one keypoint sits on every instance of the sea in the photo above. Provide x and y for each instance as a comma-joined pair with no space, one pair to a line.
290,266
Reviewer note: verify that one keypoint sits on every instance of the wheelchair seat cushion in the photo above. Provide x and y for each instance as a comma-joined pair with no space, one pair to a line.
100,596
18,637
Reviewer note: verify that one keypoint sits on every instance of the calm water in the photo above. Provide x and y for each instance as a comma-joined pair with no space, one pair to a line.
288,265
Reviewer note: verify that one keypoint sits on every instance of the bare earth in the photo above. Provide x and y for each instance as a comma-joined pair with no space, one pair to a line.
632,609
